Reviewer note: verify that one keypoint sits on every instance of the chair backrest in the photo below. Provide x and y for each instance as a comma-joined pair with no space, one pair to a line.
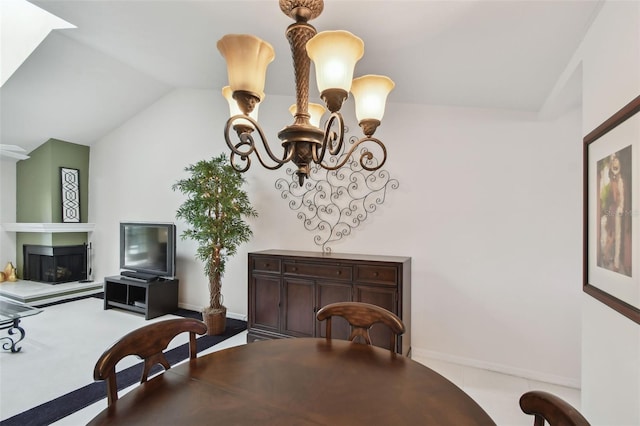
148,343
545,406
361,316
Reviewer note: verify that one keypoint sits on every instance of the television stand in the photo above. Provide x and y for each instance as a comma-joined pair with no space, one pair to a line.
153,299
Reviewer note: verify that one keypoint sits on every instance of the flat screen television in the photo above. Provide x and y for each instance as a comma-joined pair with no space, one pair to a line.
148,249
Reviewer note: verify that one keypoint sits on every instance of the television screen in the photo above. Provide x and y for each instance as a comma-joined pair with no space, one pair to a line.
148,248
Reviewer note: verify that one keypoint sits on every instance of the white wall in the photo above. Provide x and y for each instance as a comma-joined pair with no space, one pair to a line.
7,210
488,208
610,342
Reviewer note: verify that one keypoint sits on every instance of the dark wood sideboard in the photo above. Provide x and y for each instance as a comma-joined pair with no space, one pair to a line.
287,288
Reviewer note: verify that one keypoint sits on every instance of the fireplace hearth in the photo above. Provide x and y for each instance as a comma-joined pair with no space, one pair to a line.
55,264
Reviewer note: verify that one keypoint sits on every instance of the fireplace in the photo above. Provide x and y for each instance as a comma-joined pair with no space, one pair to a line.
55,264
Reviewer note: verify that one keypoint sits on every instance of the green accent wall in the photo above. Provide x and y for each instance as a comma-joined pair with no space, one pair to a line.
38,193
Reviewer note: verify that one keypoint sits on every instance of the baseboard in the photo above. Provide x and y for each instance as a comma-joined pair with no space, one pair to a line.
498,368
198,308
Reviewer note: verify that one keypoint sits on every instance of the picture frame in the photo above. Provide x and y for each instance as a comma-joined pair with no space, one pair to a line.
70,194
611,212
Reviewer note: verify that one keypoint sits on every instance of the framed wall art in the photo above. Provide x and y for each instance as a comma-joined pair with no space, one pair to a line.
70,190
611,254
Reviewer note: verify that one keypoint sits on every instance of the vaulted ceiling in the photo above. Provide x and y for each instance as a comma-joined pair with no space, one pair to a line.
81,83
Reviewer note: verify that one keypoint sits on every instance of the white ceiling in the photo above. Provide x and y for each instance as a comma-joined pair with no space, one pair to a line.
81,83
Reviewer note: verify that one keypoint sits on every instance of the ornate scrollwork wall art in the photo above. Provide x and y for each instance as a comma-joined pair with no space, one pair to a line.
332,203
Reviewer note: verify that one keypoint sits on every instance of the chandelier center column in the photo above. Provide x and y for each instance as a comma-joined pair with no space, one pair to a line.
298,34
301,139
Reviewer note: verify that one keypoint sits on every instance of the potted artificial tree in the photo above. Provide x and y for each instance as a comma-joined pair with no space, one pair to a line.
215,209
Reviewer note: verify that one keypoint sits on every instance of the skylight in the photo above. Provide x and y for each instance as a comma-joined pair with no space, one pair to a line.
23,26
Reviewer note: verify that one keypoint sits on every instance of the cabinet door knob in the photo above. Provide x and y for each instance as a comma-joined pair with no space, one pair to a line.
294,269
375,274
338,272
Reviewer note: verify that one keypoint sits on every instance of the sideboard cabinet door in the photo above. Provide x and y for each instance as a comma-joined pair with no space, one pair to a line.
298,318
383,297
264,298
331,292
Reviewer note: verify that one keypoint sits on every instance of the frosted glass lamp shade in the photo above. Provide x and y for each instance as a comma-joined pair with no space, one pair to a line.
335,54
370,94
234,109
315,111
247,59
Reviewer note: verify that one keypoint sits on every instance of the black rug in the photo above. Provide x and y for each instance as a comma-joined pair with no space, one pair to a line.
78,399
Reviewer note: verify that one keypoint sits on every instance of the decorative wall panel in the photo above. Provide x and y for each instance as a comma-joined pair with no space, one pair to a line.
332,203
70,187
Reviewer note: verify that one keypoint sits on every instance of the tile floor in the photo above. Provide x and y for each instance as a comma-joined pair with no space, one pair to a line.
58,357
499,393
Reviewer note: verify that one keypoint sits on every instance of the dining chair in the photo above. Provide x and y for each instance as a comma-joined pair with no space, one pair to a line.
361,316
148,343
550,408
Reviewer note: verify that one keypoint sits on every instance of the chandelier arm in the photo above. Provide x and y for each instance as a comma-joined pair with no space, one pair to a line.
330,137
243,141
235,163
247,139
365,156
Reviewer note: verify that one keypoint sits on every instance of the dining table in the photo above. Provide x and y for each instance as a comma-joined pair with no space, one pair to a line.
297,381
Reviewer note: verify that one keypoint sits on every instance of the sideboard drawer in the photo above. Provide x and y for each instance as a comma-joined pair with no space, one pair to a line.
266,264
387,275
333,272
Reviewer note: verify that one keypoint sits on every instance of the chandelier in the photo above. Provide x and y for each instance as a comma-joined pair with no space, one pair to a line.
304,143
